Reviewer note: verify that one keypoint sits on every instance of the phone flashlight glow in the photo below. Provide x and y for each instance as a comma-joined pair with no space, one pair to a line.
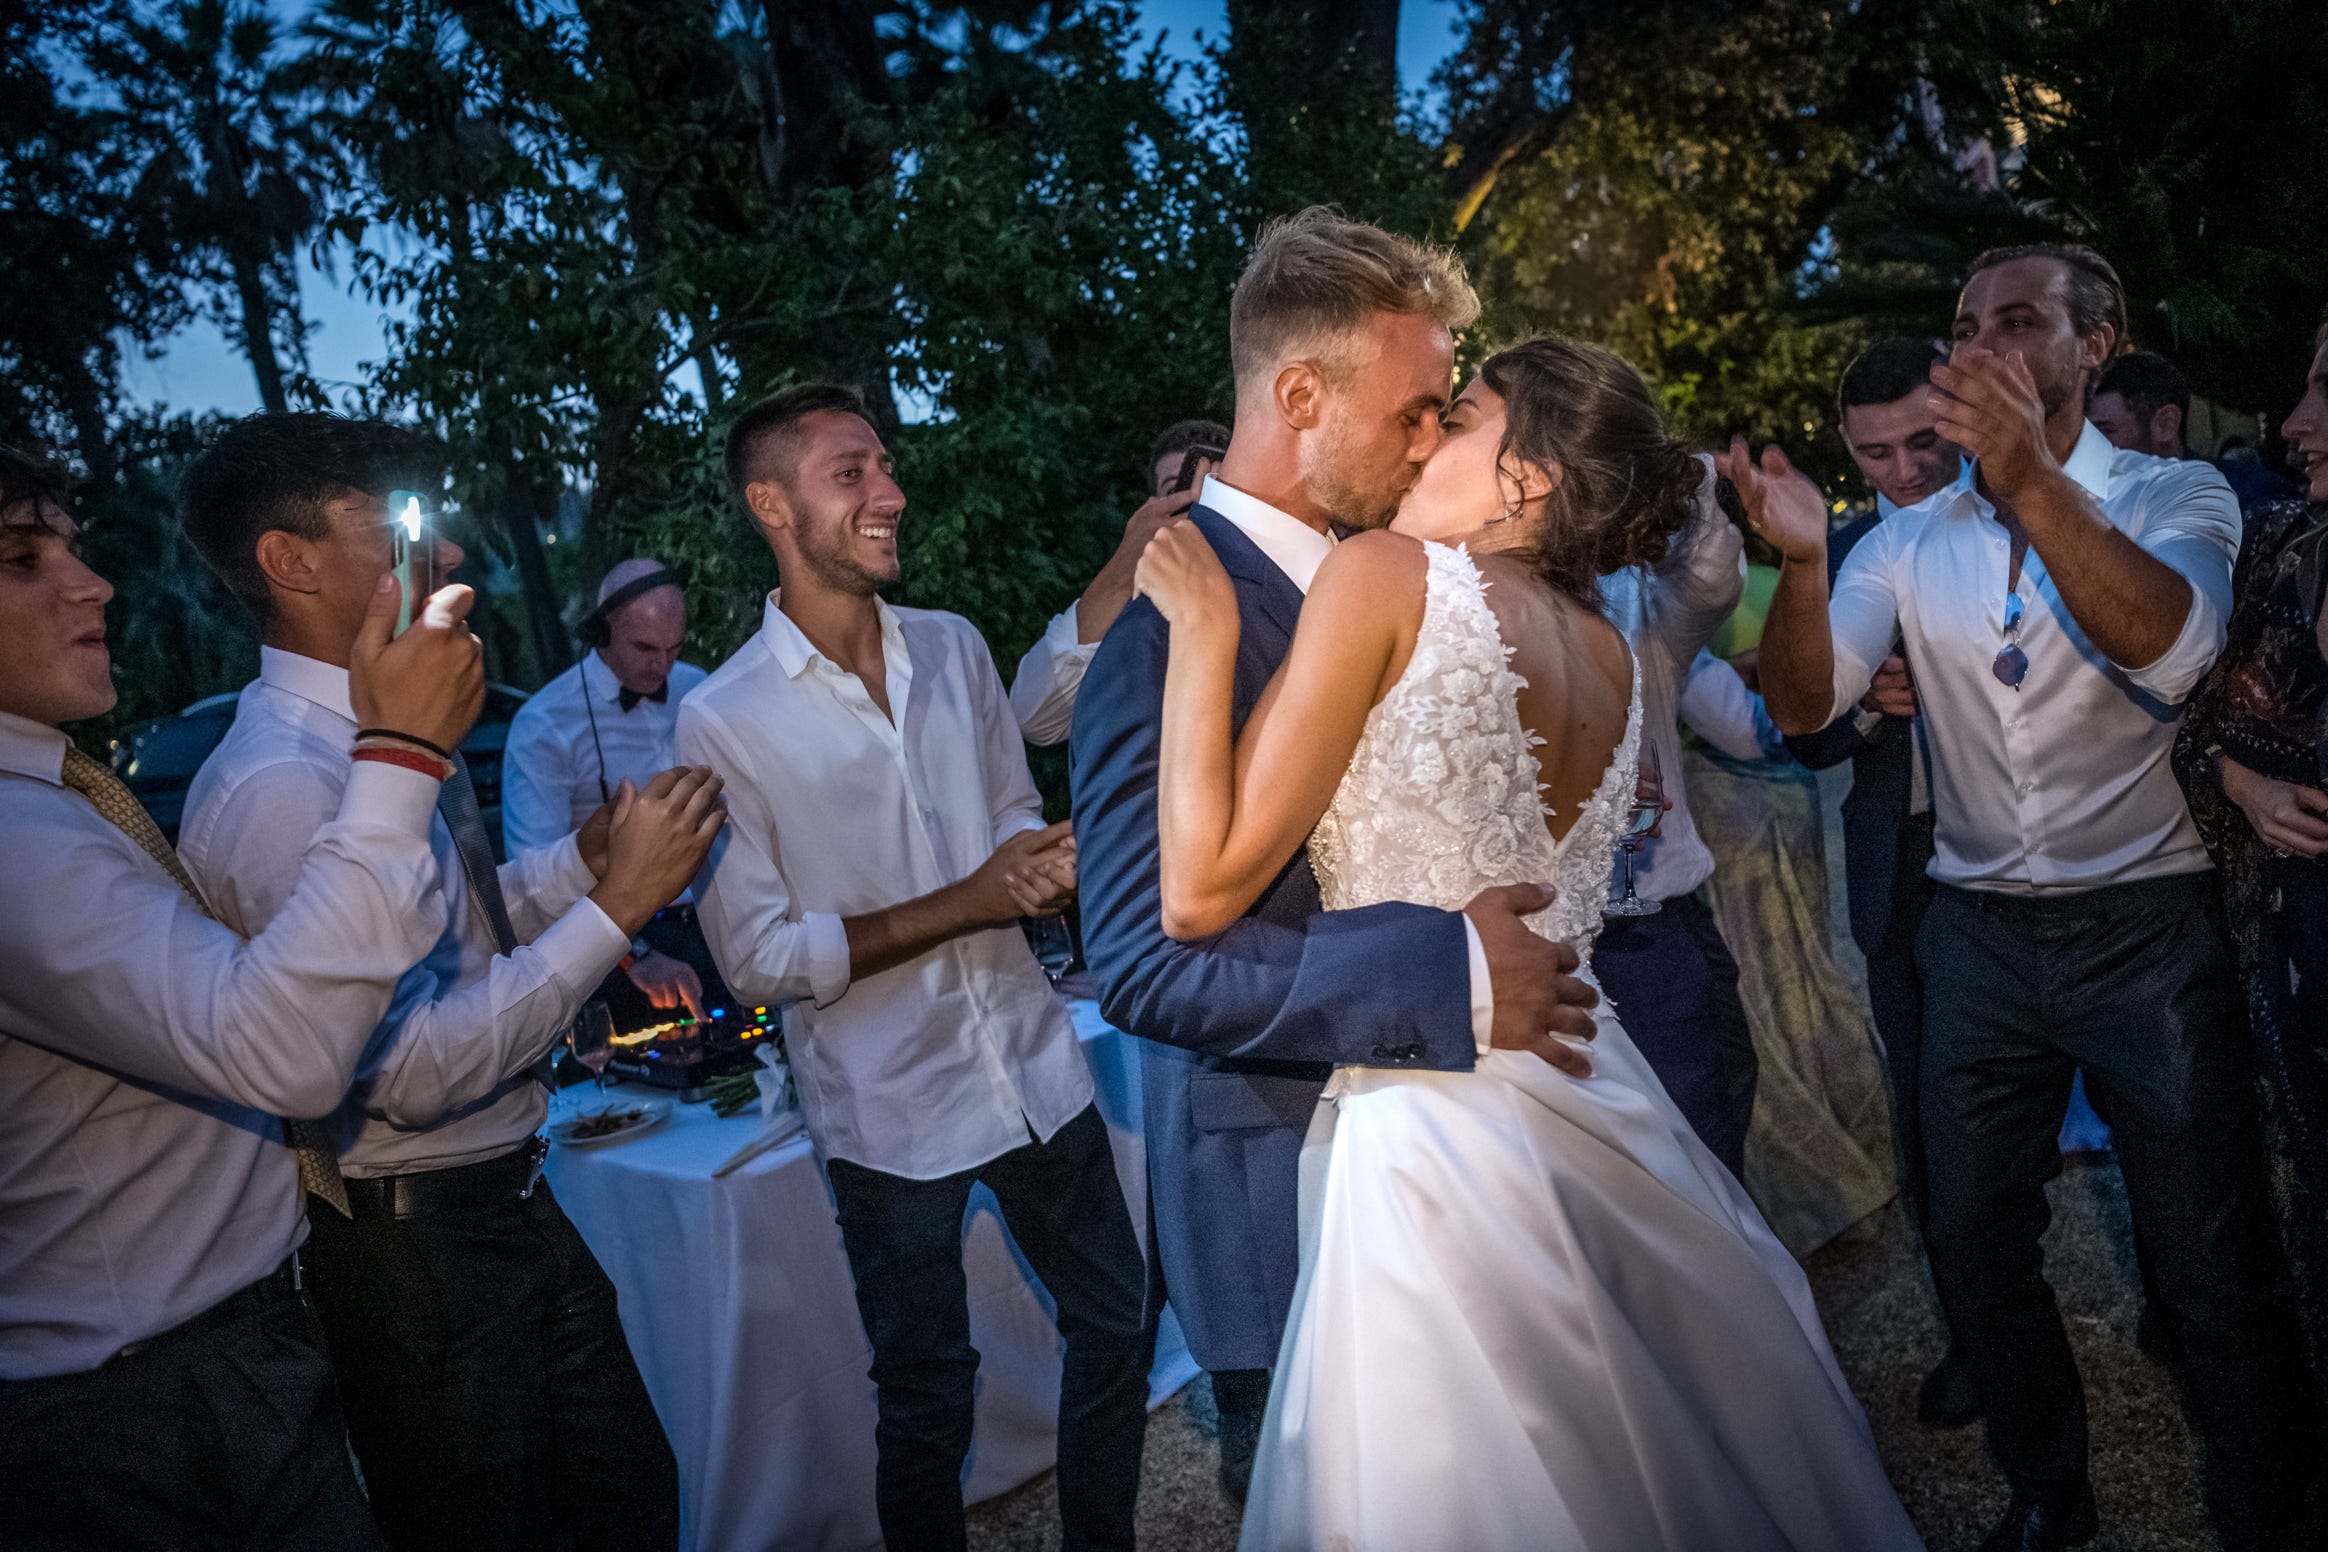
413,552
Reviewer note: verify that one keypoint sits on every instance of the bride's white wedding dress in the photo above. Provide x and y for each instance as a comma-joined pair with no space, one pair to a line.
1534,1312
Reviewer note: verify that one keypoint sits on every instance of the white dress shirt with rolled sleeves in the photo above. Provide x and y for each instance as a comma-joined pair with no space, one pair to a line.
2063,784
951,1059
1668,613
1042,693
147,1052
559,763
446,1078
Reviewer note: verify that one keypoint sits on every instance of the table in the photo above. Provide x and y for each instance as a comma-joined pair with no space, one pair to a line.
739,1307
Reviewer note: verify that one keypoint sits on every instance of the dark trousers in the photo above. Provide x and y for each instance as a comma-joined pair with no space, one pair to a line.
224,1434
904,1242
491,1397
1676,988
1895,996
2133,984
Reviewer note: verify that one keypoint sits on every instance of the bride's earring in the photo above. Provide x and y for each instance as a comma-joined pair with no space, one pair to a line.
1505,516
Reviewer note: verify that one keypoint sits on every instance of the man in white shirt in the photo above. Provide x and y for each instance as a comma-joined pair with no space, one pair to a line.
1891,428
1042,693
1670,974
2058,602
887,839
491,1397
609,719
160,1381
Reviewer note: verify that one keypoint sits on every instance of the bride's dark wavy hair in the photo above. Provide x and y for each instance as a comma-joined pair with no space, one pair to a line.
1627,483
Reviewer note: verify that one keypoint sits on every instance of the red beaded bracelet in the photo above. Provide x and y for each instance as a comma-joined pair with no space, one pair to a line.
411,759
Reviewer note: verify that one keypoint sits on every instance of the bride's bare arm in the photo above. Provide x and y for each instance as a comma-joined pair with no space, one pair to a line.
1227,819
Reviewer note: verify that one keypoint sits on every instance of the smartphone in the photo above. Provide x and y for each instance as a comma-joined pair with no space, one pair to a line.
413,552
1195,455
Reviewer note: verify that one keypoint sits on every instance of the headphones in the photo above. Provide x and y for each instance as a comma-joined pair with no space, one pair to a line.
596,628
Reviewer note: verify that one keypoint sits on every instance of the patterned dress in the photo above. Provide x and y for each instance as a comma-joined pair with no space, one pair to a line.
2266,706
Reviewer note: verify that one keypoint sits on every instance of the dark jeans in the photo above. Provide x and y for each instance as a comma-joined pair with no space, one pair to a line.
491,1397
2133,984
223,1434
904,1241
1676,988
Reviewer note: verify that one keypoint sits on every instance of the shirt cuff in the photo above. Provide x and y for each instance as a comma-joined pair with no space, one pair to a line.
1864,720
582,948
828,957
1063,637
1482,990
569,875
390,795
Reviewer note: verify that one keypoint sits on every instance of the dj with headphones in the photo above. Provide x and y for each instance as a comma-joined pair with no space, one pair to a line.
610,719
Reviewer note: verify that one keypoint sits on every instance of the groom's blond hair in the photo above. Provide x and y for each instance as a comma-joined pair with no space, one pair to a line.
1316,276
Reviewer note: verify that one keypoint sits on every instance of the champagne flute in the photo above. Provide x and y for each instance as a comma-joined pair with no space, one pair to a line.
591,1036
1648,807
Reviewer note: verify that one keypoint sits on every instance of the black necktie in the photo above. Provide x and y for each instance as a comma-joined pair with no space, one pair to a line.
457,802
630,697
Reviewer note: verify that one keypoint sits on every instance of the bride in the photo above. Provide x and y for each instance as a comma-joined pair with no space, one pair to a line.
1533,1311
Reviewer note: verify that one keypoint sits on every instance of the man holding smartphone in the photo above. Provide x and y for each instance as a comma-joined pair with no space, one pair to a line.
491,1397
1042,696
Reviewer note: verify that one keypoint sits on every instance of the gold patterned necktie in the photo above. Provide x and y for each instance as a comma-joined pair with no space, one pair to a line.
319,1171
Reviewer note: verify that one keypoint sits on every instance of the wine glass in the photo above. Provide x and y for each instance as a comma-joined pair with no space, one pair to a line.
1648,807
591,1036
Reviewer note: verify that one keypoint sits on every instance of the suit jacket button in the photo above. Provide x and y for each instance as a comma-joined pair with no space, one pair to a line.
1382,1053
1414,1053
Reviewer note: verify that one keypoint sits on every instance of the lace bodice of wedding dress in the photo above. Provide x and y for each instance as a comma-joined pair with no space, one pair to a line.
1441,799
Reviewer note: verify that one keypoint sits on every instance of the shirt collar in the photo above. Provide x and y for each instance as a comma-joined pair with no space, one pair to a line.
598,681
311,679
792,649
1293,546
2088,463
29,748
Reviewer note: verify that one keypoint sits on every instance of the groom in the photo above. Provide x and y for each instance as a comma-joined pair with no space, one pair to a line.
1342,338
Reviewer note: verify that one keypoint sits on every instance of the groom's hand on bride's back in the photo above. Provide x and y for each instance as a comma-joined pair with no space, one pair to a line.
1540,1005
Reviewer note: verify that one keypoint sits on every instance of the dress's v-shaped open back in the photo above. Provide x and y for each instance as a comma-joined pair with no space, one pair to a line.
1534,1312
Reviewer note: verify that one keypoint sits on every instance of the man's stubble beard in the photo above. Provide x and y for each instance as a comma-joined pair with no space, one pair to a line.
1347,504
835,568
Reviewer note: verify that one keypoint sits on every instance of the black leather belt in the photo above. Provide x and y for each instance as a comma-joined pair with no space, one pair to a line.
488,1182
279,1287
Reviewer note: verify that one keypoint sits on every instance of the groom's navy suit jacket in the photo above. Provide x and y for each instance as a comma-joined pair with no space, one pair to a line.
1239,1031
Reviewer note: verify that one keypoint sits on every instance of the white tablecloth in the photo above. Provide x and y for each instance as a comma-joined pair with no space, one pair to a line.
739,1307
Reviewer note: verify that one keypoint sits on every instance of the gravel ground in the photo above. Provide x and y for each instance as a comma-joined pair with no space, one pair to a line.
1878,1310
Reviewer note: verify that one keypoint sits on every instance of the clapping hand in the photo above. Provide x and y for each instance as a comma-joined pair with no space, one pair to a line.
1989,406
1783,506
1030,874
655,842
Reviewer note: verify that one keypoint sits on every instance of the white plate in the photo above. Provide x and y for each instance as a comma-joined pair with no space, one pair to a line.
653,1110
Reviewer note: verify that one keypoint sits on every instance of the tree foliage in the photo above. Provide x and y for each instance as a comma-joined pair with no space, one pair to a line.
595,229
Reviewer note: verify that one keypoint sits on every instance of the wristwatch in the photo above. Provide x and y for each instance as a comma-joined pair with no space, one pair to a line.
640,948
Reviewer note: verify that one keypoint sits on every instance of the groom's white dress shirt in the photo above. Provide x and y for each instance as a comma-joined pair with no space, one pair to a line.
147,1052
951,1059
1298,550
446,1078
2064,783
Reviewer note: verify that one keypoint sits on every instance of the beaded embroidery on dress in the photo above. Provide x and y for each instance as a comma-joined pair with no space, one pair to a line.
1534,1314
1441,799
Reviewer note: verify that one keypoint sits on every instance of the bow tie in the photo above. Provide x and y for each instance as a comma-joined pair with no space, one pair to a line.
630,697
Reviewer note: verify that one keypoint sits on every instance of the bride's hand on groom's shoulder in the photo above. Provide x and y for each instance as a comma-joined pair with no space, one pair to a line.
1540,1005
1181,576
